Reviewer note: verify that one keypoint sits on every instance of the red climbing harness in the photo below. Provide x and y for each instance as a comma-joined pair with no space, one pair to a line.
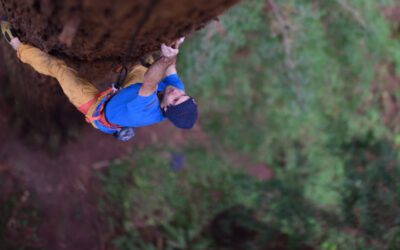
99,113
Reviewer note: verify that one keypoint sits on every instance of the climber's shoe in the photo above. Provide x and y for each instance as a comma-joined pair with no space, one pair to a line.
7,30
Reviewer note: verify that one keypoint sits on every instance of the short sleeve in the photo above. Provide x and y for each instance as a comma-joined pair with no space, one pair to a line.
173,80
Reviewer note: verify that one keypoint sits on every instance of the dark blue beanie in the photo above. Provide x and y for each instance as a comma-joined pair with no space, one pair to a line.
183,115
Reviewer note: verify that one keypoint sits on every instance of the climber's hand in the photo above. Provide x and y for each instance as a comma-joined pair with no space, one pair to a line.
173,50
168,51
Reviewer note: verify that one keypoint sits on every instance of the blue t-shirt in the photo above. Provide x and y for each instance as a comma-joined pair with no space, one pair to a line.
129,109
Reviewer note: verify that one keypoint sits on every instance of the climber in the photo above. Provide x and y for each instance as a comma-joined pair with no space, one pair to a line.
149,95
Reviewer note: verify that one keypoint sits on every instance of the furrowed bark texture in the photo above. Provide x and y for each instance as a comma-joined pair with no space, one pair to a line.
92,36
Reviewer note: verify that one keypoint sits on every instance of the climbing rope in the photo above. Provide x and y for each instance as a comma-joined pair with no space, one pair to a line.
124,70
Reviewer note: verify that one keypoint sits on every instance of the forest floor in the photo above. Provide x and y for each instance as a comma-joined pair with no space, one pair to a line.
66,185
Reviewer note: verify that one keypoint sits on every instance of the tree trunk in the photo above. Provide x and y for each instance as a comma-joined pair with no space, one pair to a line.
92,36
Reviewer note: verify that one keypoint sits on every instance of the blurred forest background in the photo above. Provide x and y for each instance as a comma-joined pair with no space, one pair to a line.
299,105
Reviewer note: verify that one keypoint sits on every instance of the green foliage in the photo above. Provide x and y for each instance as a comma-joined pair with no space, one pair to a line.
152,195
292,115
18,218
368,200
292,88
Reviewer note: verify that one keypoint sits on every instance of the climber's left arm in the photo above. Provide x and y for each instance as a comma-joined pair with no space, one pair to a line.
155,74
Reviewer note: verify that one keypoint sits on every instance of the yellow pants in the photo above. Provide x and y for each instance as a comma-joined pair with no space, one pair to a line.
81,93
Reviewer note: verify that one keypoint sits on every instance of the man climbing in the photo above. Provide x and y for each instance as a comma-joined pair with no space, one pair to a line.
149,95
